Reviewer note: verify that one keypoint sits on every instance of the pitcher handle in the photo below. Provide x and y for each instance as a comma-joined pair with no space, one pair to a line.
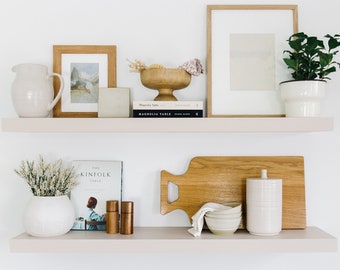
60,91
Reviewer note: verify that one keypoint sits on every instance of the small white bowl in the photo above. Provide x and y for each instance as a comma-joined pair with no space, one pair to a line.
223,226
223,216
217,206
235,208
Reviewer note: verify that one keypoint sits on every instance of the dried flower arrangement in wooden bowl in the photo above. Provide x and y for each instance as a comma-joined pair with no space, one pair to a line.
166,80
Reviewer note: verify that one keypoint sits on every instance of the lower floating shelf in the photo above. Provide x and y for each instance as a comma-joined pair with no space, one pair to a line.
177,240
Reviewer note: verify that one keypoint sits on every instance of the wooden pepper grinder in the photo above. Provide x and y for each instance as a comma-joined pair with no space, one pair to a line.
112,217
126,221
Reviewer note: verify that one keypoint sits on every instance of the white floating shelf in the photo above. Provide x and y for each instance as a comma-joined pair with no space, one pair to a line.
261,124
177,240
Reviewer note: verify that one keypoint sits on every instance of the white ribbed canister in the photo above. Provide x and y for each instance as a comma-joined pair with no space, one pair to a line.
264,205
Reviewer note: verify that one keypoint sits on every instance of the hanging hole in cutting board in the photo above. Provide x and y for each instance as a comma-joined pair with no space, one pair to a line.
172,192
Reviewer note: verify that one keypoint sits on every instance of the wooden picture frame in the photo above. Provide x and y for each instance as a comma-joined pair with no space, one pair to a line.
94,66
245,45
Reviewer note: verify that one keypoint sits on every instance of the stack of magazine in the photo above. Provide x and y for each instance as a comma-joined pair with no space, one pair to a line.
164,109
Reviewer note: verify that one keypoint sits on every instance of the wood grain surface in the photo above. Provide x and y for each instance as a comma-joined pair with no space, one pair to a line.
222,179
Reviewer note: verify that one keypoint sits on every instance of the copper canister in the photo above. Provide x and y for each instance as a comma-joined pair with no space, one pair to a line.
112,217
126,220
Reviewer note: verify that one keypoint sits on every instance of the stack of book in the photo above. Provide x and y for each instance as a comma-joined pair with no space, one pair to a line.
164,109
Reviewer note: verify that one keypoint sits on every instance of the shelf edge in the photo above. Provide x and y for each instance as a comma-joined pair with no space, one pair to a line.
176,240
168,125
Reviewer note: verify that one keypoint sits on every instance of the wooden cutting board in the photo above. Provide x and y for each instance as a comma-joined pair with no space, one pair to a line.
222,179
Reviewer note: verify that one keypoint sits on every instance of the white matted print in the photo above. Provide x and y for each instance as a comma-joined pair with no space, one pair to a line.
83,75
254,55
245,46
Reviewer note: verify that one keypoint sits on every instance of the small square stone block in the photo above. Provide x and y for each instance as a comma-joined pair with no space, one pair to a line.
114,102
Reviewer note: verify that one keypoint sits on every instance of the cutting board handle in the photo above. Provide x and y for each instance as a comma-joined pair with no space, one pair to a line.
170,192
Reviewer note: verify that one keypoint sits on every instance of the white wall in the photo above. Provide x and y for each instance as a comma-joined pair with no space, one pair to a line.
170,33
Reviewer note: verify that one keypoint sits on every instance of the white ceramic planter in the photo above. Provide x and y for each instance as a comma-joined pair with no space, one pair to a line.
302,98
48,216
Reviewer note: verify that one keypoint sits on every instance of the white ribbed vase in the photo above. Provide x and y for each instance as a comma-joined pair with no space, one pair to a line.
48,216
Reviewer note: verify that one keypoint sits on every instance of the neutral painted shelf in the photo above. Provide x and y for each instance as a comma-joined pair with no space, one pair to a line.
177,240
265,124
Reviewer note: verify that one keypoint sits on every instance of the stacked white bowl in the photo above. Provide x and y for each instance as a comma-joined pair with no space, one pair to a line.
224,220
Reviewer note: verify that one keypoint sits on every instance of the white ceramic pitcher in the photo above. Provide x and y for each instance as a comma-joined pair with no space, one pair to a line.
32,90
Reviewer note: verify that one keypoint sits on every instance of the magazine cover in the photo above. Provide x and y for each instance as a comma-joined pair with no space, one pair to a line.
99,181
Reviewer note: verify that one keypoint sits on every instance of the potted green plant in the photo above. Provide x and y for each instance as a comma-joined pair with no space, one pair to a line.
50,211
311,62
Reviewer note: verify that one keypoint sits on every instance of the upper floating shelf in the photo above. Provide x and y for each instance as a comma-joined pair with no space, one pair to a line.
212,125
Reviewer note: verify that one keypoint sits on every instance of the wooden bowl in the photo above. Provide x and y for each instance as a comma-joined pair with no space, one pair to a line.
165,80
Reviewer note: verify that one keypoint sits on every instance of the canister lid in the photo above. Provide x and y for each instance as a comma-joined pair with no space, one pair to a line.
264,177
112,206
127,206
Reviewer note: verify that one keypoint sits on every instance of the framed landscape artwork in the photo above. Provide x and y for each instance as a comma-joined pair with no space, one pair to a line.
85,68
245,45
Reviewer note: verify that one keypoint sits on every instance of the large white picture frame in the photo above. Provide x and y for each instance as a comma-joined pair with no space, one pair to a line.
245,44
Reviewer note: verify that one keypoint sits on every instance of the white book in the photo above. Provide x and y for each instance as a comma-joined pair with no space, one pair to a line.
99,181
167,105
